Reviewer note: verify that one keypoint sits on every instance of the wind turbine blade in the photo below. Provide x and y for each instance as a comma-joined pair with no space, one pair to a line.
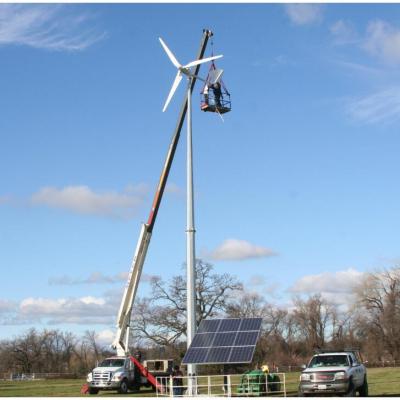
177,80
201,61
170,54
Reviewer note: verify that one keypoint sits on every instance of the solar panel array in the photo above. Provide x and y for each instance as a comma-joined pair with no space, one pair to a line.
224,341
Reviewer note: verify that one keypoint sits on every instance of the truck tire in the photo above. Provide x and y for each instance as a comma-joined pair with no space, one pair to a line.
364,388
123,389
93,391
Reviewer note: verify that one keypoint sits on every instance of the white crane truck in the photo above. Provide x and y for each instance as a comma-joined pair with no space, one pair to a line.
125,371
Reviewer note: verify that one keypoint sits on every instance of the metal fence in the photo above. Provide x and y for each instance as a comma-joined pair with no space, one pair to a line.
17,376
245,385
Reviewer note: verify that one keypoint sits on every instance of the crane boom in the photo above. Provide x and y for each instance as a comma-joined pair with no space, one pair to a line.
121,340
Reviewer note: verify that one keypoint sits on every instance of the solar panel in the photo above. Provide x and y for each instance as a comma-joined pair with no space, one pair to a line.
203,340
224,341
242,354
218,354
208,325
196,355
250,324
246,338
228,325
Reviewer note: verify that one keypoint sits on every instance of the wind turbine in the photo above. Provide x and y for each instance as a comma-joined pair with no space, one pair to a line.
182,70
190,230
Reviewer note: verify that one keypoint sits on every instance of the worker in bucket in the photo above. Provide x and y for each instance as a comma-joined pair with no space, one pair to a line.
205,92
216,87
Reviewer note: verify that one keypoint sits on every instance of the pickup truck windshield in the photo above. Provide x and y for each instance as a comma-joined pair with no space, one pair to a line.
112,363
329,361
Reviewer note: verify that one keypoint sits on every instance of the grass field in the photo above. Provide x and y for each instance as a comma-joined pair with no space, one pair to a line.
382,382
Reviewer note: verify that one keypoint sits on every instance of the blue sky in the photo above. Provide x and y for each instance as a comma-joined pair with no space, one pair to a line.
296,191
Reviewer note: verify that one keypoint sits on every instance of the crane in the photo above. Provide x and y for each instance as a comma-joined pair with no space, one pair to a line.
121,340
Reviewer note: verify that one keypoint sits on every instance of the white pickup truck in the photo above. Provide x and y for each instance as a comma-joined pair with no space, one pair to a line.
336,373
119,373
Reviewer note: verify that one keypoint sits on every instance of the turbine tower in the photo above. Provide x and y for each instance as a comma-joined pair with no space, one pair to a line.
190,227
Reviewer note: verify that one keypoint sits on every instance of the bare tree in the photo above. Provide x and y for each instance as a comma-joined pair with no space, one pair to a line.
33,351
252,305
378,299
162,318
313,318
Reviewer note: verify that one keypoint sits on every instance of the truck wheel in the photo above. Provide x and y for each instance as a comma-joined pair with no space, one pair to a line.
123,389
364,388
136,387
93,391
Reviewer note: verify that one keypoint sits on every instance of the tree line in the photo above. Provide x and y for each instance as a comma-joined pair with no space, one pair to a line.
370,322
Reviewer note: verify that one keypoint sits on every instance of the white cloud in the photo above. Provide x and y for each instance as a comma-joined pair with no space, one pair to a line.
343,32
257,280
356,68
234,249
335,287
304,14
377,107
83,200
51,27
95,278
5,199
105,337
83,310
173,188
7,306
328,282
92,300
383,40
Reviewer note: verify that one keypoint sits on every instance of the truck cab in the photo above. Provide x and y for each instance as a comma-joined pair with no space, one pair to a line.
334,373
114,373
120,373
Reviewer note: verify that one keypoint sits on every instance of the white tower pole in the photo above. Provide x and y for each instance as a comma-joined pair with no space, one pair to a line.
190,233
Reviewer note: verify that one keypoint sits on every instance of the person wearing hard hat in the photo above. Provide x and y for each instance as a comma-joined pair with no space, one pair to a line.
205,92
265,369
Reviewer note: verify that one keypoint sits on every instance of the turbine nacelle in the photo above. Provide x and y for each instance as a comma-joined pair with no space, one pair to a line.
186,71
182,70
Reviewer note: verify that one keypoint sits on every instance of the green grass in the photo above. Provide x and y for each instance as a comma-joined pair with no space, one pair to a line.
54,387
382,382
